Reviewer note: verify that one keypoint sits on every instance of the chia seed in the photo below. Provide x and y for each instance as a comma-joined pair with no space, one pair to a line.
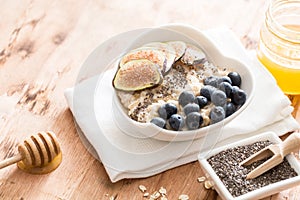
233,176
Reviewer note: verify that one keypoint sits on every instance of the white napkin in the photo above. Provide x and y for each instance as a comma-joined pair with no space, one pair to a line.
124,156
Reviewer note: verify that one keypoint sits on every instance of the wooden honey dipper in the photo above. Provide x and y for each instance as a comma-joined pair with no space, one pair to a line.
39,154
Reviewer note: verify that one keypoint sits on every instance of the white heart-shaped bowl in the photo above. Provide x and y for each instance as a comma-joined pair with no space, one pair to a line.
193,36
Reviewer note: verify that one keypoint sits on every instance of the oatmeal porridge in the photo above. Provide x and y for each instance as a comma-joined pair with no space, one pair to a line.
174,86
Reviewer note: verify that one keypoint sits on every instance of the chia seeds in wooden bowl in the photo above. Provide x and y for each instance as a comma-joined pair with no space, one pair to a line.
221,166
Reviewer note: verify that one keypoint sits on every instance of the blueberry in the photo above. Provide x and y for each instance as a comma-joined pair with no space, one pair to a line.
191,107
193,120
176,122
230,108
166,110
211,80
206,91
235,78
224,79
216,114
235,89
238,96
186,97
158,121
201,101
226,87
218,98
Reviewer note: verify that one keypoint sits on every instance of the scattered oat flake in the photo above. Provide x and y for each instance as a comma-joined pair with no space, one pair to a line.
146,194
162,191
201,179
183,197
112,198
208,185
142,188
155,195
163,198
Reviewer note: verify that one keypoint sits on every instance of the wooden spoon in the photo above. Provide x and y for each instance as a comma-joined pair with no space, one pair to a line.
39,154
276,151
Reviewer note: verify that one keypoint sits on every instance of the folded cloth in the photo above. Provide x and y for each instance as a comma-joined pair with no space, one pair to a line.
124,156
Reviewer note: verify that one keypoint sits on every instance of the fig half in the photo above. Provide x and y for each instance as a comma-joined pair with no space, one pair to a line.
179,48
193,55
167,50
150,54
137,75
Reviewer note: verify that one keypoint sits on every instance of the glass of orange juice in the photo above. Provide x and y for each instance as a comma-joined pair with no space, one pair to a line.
279,46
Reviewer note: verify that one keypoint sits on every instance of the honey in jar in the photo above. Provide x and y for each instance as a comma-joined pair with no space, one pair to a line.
279,46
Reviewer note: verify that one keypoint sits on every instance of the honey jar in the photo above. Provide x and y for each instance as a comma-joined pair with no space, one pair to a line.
279,45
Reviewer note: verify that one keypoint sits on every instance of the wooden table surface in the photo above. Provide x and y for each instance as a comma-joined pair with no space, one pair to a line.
42,47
